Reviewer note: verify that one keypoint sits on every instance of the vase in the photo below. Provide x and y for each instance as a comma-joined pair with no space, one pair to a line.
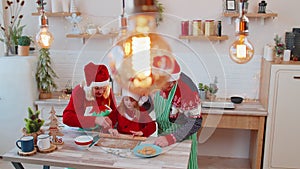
202,94
278,59
34,135
45,95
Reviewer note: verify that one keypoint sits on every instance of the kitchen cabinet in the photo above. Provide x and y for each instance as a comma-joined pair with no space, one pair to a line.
280,83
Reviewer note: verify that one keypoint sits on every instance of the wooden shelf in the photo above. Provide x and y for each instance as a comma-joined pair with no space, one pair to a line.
87,36
252,15
56,14
212,38
262,16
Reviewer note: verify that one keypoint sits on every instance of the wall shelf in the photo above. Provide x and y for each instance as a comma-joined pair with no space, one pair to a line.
55,14
85,36
212,38
262,16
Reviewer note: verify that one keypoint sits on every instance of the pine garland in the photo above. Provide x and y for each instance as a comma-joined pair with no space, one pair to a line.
45,74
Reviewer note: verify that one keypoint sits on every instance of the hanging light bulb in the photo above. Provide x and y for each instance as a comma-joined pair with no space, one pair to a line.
241,50
44,38
144,59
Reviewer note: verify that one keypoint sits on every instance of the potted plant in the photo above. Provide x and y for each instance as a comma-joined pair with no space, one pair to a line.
45,74
33,124
23,45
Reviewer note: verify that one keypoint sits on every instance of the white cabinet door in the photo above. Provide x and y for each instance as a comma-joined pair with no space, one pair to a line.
285,144
17,92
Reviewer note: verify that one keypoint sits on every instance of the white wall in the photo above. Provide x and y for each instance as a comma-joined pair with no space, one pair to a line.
203,59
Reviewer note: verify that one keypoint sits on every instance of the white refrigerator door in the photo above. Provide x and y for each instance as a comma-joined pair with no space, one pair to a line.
17,92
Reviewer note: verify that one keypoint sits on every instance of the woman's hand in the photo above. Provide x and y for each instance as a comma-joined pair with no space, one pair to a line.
113,132
137,133
103,121
164,141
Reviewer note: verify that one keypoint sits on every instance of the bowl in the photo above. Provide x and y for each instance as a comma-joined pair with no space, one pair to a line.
83,141
236,99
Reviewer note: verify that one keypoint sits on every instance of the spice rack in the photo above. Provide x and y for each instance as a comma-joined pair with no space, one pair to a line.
202,37
262,16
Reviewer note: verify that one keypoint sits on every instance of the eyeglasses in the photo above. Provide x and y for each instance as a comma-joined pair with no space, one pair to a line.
99,87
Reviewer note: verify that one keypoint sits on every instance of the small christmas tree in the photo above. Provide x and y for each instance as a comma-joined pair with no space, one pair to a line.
54,130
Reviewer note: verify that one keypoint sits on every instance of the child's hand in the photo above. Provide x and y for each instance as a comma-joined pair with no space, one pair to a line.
113,132
137,133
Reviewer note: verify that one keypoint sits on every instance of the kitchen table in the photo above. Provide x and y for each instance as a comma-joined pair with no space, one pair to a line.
175,156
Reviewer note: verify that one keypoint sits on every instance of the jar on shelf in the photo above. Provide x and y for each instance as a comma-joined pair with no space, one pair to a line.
197,27
209,27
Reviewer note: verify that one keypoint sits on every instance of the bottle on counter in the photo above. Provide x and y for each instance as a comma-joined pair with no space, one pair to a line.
219,28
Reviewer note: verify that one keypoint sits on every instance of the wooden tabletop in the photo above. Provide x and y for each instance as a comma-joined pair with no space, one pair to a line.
175,156
249,108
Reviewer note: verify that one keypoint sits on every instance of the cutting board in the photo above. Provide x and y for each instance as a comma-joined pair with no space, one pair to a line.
122,141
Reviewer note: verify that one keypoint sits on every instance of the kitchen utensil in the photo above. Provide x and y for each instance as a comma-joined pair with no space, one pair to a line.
95,140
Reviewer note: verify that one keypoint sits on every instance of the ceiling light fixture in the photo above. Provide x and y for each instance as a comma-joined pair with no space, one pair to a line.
144,61
241,50
44,38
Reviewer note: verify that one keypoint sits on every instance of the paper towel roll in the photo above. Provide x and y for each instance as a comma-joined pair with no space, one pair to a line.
286,55
268,53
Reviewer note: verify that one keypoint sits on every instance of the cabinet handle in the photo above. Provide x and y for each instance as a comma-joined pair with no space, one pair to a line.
297,77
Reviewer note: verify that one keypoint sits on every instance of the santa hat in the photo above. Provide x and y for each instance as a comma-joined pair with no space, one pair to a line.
175,75
96,75
130,94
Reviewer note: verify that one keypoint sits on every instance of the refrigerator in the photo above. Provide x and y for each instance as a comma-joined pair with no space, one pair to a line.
18,91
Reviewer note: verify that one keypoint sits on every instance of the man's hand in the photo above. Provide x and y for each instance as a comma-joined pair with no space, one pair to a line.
103,121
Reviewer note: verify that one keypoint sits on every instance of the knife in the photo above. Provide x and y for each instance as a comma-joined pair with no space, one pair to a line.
95,140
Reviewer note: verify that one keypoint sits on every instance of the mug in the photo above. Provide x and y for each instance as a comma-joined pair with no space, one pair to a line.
43,141
27,144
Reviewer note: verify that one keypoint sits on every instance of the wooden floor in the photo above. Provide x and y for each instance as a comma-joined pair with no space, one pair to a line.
204,163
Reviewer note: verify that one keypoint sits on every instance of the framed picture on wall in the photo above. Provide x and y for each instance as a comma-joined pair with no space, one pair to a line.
230,5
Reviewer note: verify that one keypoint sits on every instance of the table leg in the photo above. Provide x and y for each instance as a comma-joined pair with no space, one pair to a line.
17,165
46,167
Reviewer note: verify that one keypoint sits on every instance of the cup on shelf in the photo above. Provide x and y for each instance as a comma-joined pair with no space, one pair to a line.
103,30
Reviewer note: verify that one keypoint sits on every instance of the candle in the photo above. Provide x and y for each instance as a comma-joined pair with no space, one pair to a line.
268,53
286,55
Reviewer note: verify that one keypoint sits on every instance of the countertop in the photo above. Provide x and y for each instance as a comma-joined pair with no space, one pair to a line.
251,107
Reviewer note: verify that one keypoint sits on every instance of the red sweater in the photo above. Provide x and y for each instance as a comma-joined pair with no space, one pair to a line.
124,126
73,114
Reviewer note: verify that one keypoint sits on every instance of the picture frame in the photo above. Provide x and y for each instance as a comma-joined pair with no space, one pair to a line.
230,5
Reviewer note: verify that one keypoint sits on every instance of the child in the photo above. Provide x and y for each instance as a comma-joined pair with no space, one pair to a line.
130,118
